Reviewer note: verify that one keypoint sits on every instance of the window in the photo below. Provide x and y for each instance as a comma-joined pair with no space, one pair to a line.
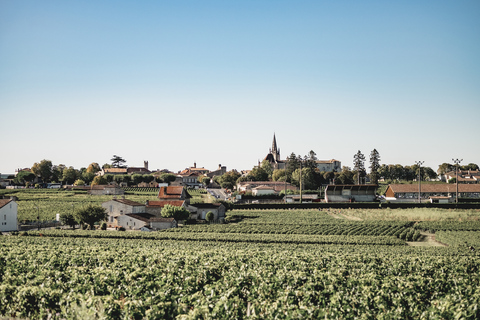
4,217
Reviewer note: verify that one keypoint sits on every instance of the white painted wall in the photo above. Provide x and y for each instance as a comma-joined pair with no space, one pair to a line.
8,217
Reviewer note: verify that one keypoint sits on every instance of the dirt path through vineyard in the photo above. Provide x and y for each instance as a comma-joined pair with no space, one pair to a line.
427,241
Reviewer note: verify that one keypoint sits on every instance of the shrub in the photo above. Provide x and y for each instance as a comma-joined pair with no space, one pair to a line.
121,229
104,226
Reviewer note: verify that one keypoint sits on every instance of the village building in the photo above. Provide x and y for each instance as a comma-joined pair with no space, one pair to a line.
263,190
277,186
155,207
350,193
174,193
201,210
329,165
273,156
464,176
139,170
409,192
134,221
306,198
119,207
8,215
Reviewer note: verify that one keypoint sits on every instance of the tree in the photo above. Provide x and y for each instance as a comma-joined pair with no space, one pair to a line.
99,180
43,170
267,168
444,168
430,173
346,176
292,164
88,177
147,178
374,166
137,178
229,179
24,177
358,165
178,213
310,160
109,177
168,177
205,180
258,174
93,167
69,175
79,182
470,166
68,219
278,175
91,215
118,162
308,179
209,216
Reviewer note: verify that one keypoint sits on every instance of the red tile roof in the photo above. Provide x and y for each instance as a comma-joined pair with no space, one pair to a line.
162,203
129,202
437,187
4,202
172,193
145,217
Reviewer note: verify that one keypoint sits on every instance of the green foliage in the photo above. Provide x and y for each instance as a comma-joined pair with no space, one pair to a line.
44,170
91,215
118,162
99,180
209,216
79,182
178,213
167,177
229,179
69,219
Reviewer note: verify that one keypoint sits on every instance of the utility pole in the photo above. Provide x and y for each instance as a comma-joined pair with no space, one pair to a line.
300,180
457,162
419,164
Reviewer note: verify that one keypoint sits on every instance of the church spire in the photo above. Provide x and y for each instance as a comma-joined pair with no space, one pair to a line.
274,145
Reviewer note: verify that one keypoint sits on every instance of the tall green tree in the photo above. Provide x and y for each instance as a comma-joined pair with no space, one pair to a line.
23,177
308,179
99,180
118,162
43,170
267,168
91,215
69,219
359,165
293,164
374,166
168,177
69,175
229,179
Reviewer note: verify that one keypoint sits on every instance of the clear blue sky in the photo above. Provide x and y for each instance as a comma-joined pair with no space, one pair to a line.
174,82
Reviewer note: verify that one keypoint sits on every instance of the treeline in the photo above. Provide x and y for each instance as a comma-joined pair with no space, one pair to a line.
45,172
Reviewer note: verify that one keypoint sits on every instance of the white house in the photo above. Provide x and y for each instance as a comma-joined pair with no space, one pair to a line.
134,221
263,190
162,223
202,209
8,215
119,207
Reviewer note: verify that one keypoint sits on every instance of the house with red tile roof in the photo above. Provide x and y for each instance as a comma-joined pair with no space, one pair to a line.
409,192
119,207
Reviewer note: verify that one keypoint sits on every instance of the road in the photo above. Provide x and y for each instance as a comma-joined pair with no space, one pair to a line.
218,193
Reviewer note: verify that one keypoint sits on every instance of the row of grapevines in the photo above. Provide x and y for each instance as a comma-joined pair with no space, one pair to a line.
63,278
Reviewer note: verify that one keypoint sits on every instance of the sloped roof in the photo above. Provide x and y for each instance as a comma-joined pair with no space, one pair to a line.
129,202
436,187
4,202
263,187
145,217
115,170
172,192
206,205
162,219
162,203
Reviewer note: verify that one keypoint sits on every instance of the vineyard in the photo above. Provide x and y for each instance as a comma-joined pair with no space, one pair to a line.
264,264
80,278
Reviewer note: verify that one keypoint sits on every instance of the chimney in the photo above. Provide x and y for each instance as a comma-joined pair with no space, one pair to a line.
194,164
220,167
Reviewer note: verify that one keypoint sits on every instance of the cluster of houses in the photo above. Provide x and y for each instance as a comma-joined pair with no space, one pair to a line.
147,216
